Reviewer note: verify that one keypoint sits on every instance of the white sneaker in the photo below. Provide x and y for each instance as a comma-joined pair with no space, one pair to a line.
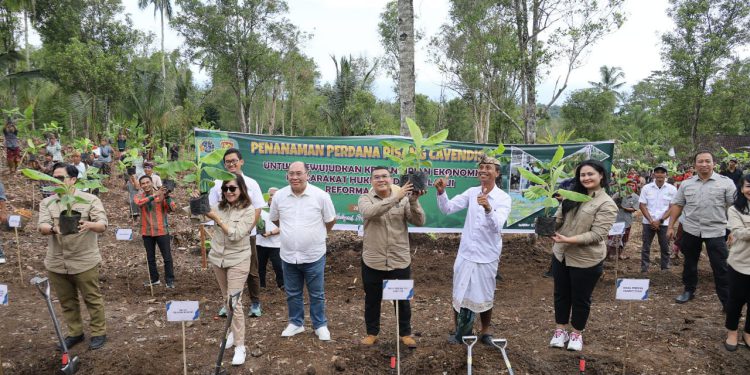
323,333
239,356
230,340
2,259
559,339
576,342
292,330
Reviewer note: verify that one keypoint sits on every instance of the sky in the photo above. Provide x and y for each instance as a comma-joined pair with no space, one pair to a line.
344,27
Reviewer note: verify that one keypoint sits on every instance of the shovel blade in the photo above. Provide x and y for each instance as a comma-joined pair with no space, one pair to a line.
71,367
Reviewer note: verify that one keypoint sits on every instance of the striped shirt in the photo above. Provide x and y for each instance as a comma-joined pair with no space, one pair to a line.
154,214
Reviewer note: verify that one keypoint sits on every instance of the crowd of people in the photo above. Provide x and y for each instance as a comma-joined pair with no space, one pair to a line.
290,231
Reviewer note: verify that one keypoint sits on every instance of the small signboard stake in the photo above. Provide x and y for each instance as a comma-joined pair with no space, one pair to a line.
14,221
630,290
182,311
617,230
396,290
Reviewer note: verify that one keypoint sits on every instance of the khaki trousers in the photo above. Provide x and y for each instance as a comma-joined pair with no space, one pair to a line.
66,288
231,280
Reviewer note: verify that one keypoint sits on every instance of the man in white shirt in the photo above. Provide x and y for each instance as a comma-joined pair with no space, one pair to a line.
481,243
269,245
304,214
75,159
654,204
233,164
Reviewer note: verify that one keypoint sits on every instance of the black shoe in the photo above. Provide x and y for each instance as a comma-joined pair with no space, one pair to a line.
547,274
684,297
729,347
97,342
70,341
486,339
499,277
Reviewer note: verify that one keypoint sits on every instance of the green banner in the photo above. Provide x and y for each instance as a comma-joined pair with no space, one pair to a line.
341,166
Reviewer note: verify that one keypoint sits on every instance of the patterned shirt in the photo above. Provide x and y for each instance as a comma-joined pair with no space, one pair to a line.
154,214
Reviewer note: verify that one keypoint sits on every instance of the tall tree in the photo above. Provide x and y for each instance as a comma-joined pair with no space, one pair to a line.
163,8
571,27
609,79
349,91
406,78
707,33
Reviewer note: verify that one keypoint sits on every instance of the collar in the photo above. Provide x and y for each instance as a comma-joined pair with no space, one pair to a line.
304,192
394,190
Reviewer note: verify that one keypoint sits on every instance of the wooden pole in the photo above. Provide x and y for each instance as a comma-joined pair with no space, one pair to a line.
617,258
184,352
398,351
20,267
203,247
627,333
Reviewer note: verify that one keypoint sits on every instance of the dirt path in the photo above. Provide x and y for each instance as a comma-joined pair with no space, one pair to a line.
662,337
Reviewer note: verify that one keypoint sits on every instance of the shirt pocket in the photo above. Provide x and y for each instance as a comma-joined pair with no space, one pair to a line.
716,196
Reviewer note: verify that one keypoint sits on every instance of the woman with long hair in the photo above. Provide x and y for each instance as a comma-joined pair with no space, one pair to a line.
739,266
230,253
579,252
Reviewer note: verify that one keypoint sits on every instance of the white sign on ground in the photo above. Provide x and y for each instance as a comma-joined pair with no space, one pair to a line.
124,234
632,289
180,311
398,289
3,295
14,221
618,228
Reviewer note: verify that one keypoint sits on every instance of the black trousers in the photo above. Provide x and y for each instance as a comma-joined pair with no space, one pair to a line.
648,238
150,243
272,253
739,296
372,280
717,254
573,289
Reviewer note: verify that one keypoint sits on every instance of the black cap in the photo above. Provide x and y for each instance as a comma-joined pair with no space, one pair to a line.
660,167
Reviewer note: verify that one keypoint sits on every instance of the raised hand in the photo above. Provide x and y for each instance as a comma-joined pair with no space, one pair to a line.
441,183
483,201
405,190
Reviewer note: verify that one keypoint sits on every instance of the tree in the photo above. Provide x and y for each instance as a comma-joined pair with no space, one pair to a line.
706,34
589,112
406,62
572,27
163,7
609,79
347,95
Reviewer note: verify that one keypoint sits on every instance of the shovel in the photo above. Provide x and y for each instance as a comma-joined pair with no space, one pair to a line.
469,341
69,366
218,370
501,344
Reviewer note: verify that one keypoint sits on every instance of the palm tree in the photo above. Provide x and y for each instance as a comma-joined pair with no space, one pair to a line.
609,78
163,7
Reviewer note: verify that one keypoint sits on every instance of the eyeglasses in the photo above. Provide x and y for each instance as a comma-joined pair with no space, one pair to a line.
295,174
231,162
61,178
231,189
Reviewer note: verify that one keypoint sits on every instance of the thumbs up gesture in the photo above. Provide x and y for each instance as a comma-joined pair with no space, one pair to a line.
483,201
440,184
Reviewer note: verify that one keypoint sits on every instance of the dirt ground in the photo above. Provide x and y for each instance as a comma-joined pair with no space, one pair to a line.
655,336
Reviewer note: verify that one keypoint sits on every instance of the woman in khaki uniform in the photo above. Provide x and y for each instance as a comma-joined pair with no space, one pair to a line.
739,267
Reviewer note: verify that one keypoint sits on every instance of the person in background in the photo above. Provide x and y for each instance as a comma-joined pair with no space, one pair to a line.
654,205
12,146
148,170
268,245
628,205
230,254
155,203
739,267
733,172
55,149
174,152
75,159
579,252
122,142
105,151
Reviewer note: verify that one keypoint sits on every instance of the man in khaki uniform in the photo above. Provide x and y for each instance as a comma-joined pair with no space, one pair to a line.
72,260
386,210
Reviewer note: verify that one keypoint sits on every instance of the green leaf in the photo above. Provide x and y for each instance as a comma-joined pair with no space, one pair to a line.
214,157
39,176
439,137
395,159
416,134
535,192
219,174
572,195
550,202
530,176
398,145
558,156
190,178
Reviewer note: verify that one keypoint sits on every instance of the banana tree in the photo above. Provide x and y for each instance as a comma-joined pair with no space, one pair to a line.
65,195
202,174
412,156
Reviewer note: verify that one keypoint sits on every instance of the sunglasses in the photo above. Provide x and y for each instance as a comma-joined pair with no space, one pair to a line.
61,178
231,189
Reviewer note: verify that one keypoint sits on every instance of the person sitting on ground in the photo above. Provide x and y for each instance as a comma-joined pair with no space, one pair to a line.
12,146
53,147
154,204
579,252
739,267
234,216
75,160
628,205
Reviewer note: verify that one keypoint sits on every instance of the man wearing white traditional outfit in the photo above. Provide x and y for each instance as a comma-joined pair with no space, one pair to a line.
479,252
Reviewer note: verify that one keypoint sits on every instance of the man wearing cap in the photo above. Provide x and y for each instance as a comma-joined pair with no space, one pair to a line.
654,204
475,267
733,172
704,199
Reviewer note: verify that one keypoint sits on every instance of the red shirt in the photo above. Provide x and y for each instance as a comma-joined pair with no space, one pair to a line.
154,214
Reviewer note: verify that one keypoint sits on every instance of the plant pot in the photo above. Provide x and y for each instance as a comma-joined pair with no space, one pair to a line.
170,185
544,226
200,206
418,179
131,171
69,224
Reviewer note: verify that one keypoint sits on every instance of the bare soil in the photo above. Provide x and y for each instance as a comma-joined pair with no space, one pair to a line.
655,336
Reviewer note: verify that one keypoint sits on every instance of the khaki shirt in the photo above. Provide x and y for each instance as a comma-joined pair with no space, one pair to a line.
705,205
232,248
589,224
386,242
739,252
72,253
